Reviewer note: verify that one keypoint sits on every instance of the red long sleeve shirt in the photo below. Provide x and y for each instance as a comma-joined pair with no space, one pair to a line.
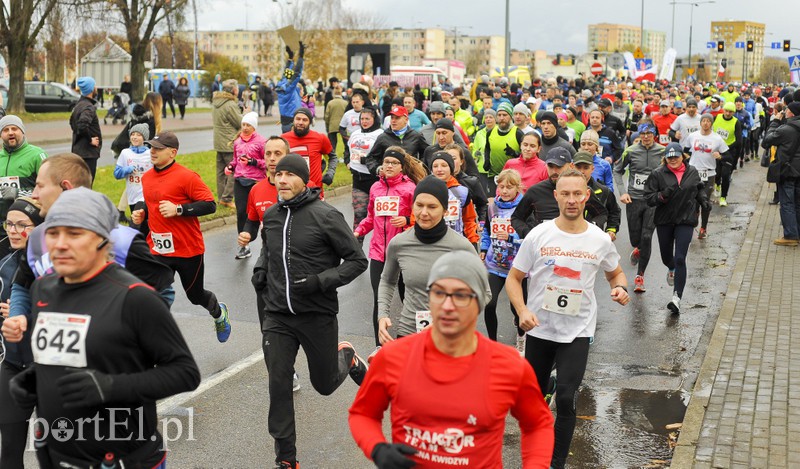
452,410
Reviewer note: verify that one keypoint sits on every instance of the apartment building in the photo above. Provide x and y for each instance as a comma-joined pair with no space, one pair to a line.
740,62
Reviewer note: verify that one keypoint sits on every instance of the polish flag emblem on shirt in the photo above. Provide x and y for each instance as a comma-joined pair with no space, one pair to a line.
566,272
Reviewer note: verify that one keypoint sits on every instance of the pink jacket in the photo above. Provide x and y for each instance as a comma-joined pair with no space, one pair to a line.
253,148
532,171
399,186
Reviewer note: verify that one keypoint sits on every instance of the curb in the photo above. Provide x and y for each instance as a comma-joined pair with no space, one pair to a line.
684,453
67,140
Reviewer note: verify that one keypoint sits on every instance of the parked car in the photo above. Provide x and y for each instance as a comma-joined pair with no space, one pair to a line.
43,96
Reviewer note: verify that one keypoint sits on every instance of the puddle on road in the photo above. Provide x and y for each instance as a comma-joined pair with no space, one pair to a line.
625,428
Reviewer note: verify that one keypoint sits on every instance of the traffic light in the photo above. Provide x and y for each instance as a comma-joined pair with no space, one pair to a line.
720,46
787,45
724,63
595,54
750,46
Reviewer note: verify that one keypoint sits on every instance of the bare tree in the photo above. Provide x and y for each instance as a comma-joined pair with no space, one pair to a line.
20,24
774,70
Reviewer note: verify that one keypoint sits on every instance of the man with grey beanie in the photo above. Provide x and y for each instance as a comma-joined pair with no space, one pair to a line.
114,363
465,364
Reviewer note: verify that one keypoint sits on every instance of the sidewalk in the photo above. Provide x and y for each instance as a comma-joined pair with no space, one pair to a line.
745,407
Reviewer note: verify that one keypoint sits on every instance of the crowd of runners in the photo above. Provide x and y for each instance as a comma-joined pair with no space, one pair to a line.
457,197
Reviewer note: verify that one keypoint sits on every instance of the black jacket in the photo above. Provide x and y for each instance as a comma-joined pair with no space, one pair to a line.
470,167
476,192
676,204
412,142
784,135
602,208
85,125
537,205
307,237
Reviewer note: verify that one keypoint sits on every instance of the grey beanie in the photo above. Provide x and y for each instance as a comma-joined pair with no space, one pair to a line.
143,129
11,119
464,266
84,208
522,109
489,112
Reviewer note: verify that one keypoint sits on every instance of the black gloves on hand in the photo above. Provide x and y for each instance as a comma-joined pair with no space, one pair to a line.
393,456
306,285
510,152
85,388
666,194
327,179
22,388
289,52
302,49
259,279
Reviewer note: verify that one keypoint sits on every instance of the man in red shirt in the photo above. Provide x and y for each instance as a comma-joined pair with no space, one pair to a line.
174,197
652,107
663,121
311,145
420,374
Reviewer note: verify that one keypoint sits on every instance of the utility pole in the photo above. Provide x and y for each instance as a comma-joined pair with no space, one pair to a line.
508,41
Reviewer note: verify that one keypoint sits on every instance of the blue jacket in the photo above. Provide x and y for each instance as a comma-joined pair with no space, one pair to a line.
289,99
602,172
744,118
500,254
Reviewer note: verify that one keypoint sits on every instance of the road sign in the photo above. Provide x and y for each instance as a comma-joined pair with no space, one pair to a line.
638,54
739,45
712,45
643,64
690,71
616,61
597,69
794,63
775,45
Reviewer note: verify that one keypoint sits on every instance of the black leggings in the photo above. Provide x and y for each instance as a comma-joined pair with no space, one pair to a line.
240,194
673,240
496,284
570,361
375,271
191,270
14,437
182,109
640,230
725,168
708,187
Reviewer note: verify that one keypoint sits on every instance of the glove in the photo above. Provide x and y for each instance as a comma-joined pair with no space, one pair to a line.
22,388
393,456
85,388
9,193
259,279
327,179
302,49
252,162
306,285
666,194
706,205
289,52
487,163
510,152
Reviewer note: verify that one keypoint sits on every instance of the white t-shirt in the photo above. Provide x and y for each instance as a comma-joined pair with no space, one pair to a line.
686,125
702,148
133,182
351,120
360,144
562,268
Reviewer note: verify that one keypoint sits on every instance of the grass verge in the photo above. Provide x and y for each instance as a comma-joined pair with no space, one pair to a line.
101,113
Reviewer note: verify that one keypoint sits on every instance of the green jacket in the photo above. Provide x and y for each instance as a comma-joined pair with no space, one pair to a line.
227,120
22,163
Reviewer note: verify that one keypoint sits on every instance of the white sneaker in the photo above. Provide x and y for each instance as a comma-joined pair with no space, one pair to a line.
243,253
521,344
295,383
675,304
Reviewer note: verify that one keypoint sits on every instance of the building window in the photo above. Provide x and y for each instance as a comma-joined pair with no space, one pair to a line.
236,47
246,47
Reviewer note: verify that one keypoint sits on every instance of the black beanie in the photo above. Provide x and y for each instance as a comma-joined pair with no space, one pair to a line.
26,206
399,155
549,116
448,158
295,164
305,111
433,186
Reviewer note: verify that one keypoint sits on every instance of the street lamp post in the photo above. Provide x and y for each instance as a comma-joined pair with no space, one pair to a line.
691,21
508,41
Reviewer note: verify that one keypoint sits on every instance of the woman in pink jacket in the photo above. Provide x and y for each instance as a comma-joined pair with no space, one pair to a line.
389,214
248,167
532,169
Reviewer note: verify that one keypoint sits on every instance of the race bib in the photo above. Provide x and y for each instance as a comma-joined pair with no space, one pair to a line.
723,133
9,181
501,225
453,210
559,300
387,206
135,177
663,139
308,162
423,320
638,181
162,243
356,155
703,174
59,339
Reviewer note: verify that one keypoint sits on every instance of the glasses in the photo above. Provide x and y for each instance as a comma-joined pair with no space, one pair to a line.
460,299
391,163
18,227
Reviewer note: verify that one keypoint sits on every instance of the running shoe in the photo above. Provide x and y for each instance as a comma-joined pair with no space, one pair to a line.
295,383
723,202
358,367
635,256
372,355
671,277
741,163
675,304
243,253
288,465
551,391
717,189
521,344
785,242
638,284
703,234
222,324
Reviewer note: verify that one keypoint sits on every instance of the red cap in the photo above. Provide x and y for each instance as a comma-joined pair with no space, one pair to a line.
399,111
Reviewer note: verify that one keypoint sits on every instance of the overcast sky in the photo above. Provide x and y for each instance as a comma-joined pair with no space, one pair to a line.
555,26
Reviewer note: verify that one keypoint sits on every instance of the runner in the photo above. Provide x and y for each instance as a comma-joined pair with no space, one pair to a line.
248,167
174,197
502,143
388,214
108,380
350,120
685,124
538,204
664,120
299,271
311,145
477,192
602,208
550,135
706,149
730,129
609,143
421,376
528,165
743,116
360,143
461,216
590,142
676,190
132,163
398,134
412,254
561,258
641,159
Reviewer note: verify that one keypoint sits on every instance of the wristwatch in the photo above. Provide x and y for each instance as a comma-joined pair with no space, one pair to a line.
179,210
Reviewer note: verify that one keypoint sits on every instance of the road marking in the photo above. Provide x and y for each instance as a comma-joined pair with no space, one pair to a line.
167,405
